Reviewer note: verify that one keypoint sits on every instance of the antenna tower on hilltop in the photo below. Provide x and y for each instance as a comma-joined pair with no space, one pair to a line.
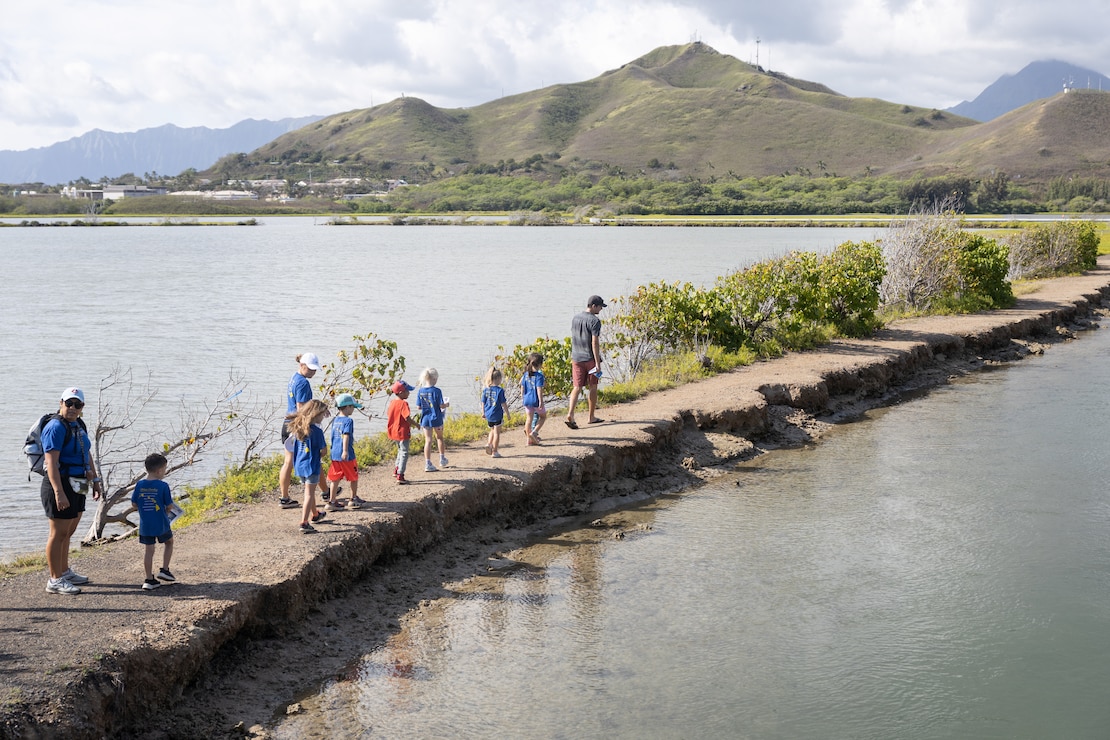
757,51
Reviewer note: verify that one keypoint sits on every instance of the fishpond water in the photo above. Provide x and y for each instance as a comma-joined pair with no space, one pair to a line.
940,569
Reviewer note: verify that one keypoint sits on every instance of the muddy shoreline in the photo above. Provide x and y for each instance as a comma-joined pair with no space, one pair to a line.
262,612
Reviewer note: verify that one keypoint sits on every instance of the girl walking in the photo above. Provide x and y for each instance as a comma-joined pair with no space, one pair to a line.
531,393
495,408
432,405
304,426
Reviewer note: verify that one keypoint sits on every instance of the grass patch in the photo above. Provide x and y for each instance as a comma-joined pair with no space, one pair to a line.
22,564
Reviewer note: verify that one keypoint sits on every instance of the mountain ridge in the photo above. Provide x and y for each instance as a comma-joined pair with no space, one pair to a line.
1035,81
168,149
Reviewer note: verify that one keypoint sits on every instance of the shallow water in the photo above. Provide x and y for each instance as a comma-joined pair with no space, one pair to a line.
940,569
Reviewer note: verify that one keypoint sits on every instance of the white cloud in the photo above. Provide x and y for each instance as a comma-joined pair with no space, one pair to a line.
124,64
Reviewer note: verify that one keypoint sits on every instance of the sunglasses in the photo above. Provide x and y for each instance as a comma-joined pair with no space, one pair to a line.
74,403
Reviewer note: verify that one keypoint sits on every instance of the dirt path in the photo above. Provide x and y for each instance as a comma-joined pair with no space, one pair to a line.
261,611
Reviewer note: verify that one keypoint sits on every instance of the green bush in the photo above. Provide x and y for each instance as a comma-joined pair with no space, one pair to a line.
1061,247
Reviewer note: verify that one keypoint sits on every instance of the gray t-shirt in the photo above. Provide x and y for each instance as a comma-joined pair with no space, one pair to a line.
583,328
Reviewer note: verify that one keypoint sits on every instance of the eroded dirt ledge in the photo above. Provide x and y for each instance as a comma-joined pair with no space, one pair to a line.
102,664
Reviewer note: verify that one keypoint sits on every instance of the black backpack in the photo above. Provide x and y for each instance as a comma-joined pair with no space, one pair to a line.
32,446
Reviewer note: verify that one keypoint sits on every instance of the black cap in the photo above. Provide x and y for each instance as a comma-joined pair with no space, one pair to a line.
596,300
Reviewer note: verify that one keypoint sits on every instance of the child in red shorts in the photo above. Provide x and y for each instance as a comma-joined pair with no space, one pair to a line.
343,464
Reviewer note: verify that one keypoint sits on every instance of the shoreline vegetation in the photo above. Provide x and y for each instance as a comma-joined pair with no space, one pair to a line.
666,335
493,218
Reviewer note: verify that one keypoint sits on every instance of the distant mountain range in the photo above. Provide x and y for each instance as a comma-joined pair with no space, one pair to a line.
167,150
1036,81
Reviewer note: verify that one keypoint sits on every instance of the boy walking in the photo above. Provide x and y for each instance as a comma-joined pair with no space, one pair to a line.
343,463
155,503
399,426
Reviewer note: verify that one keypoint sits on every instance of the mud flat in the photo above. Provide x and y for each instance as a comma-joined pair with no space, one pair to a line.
111,661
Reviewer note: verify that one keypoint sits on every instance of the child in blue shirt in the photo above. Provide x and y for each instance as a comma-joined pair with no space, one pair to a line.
154,502
309,451
432,405
343,463
495,408
531,395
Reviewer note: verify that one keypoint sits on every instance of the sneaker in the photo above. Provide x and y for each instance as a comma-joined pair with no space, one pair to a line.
74,577
428,467
401,479
496,454
307,528
319,515
61,586
354,505
442,461
357,500
325,496
165,575
150,584
334,506
288,503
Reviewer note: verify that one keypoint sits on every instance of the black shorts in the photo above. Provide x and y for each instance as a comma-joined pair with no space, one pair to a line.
150,539
50,503
493,424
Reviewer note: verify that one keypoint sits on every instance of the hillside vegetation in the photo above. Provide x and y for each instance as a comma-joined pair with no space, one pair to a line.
693,112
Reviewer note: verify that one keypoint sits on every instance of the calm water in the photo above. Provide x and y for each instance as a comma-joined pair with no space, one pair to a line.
188,305
939,570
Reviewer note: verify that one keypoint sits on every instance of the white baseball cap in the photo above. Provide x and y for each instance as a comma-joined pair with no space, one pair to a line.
77,393
310,360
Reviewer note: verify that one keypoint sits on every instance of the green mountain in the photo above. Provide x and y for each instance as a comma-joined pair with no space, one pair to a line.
694,111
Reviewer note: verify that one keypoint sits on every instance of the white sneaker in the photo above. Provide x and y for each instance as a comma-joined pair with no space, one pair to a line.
428,467
442,461
74,577
61,586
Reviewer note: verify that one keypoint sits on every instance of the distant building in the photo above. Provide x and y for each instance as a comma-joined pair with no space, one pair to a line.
111,192
217,194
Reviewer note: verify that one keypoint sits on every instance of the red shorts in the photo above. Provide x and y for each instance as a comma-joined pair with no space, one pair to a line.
343,470
581,375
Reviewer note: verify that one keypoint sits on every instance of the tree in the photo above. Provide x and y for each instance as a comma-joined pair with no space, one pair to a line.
122,439
365,371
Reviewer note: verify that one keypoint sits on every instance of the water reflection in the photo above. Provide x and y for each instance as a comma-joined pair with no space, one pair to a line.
940,569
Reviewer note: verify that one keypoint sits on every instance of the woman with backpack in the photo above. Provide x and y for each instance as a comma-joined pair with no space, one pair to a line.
68,464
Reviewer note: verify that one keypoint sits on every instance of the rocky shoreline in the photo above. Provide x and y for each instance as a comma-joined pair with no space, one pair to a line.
113,661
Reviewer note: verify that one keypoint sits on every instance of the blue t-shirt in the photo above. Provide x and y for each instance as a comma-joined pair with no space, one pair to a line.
72,453
429,401
300,391
309,451
493,403
153,500
340,426
530,385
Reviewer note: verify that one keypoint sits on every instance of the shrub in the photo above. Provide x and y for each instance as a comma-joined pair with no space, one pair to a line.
1044,250
850,278
933,264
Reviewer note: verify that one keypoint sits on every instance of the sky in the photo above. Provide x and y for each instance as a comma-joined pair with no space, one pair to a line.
67,67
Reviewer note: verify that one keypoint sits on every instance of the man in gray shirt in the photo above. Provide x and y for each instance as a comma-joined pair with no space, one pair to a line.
585,357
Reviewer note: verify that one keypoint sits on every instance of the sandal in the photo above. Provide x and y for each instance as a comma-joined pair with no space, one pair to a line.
319,515
570,423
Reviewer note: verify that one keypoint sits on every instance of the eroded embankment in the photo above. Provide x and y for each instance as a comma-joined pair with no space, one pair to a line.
103,663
